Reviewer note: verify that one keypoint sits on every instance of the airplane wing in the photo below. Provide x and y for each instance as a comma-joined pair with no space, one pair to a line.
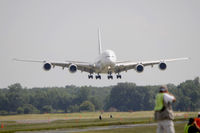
139,66
76,65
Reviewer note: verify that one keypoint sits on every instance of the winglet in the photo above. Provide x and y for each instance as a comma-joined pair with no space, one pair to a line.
99,41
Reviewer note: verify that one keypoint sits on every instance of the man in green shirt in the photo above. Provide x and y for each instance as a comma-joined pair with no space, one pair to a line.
163,111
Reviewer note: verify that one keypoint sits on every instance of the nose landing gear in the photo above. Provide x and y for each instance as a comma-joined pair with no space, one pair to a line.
110,75
98,76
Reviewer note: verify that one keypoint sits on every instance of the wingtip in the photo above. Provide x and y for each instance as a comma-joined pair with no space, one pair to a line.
14,59
186,58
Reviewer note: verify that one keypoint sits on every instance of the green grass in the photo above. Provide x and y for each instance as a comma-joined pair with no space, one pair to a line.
78,120
83,115
88,115
145,129
76,123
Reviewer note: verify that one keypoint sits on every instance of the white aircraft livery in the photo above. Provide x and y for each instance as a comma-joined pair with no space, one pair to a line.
106,63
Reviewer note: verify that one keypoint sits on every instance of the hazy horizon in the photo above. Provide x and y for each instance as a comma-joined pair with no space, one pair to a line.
136,30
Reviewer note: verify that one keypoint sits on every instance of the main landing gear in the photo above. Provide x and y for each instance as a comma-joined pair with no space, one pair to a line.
118,76
91,76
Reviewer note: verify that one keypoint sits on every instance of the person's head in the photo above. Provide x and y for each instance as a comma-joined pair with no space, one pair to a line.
198,114
163,89
191,121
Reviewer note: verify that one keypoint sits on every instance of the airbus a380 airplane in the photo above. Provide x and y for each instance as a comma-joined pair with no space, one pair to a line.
106,63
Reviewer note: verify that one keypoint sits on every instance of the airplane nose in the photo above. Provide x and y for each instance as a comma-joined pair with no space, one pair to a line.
109,59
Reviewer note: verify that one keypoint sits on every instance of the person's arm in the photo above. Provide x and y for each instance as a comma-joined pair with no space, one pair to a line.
174,100
169,98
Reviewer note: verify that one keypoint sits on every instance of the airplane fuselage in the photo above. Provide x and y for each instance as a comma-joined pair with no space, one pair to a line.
105,62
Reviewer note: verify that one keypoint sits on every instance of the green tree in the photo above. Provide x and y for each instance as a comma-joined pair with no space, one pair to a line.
15,97
47,109
188,94
3,112
3,101
83,95
128,96
73,108
87,106
30,109
97,103
20,110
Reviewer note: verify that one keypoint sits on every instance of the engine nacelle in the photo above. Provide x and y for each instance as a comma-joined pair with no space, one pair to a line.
47,66
139,68
162,66
72,68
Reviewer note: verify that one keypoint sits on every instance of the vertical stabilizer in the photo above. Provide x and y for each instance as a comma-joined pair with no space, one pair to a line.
99,41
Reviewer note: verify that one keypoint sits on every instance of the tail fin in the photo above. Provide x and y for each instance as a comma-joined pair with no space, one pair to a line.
99,41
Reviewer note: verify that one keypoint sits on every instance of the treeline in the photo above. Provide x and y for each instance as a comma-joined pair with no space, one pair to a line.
122,97
129,97
18,100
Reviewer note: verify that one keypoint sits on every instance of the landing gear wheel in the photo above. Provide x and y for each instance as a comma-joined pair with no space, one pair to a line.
98,76
90,76
119,76
110,77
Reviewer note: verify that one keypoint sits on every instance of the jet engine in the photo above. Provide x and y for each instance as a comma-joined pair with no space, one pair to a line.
162,66
139,68
47,66
72,68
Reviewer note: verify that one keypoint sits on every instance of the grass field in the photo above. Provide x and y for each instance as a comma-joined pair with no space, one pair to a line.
36,122
146,129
